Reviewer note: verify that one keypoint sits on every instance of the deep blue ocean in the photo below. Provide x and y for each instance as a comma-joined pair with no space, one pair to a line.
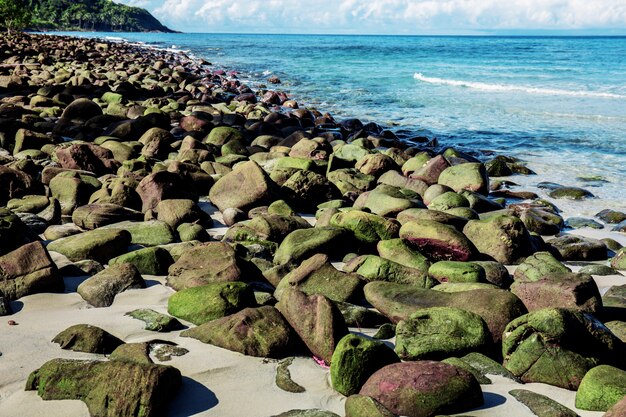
557,102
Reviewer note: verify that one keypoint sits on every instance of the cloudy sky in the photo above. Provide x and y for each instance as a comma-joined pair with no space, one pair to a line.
391,16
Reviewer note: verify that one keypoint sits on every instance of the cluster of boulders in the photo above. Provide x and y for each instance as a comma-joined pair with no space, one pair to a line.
110,154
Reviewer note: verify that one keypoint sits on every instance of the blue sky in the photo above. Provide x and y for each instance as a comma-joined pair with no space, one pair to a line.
392,16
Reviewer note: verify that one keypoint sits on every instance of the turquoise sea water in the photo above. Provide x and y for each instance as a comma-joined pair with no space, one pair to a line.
557,102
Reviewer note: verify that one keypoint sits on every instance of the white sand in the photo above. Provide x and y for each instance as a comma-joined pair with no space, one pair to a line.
217,382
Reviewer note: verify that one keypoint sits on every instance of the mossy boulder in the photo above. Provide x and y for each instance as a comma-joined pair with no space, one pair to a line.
539,265
316,275
149,261
375,268
438,241
315,319
304,243
423,388
349,180
247,186
367,228
148,233
384,200
441,332
203,264
112,388
470,176
454,271
100,245
503,238
174,212
362,405
619,260
601,388
258,331
93,216
355,359
577,248
557,347
155,321
208,302
28,270
398,301
87,338
448,201
100,290
541,405
397,250
570,193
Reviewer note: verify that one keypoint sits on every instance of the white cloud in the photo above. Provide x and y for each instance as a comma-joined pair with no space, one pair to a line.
386,16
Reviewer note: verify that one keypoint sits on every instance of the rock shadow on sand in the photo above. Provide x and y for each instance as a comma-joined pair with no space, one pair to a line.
193,398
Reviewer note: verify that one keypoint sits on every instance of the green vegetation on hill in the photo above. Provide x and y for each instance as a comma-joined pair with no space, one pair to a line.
91,15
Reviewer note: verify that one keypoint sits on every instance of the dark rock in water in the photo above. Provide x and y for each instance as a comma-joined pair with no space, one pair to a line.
541,405
551,186
601,388
87,338
28,270
145,387
362,405
503,238
100,290
538,343
611,216
620,227
283,378
316,275
100,245
316,319
203,264
245,187
93,216
573,291
576,248
571,193
423,388
355,359
438,241
398,301
155,321
258,331
580,222
208,302
441,332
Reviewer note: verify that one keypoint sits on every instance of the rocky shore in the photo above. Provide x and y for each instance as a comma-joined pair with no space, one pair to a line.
174,243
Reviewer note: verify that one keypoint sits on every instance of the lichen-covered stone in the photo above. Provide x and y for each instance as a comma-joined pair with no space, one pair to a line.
315,319
100,290
399,251
304,243
203,264
201,304
577,248
504,238
150,261
541,405
87,338
367,228
355,359
557,347
601,388
92,216
155,321
100,245
423,388
148,233
453,271
258,331
471,176
283,378
438,241
112,388
375,268
440,332
362,406
539,265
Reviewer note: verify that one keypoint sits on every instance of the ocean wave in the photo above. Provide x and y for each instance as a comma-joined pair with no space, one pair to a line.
507,87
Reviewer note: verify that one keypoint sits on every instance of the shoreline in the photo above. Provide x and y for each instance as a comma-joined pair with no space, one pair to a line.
176,97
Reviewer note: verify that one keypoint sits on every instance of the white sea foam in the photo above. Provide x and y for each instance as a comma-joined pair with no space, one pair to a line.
507,87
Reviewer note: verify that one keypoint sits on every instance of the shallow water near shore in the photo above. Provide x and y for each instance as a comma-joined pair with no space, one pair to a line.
557,102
